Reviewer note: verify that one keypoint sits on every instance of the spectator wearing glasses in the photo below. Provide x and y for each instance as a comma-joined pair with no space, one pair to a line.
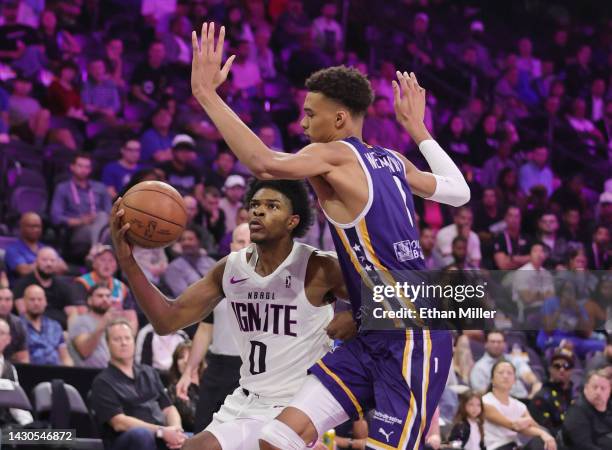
550,404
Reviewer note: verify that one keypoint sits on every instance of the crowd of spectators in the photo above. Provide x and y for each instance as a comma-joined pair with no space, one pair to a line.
95,97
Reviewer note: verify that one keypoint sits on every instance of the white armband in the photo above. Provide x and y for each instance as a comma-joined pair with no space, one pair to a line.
451,187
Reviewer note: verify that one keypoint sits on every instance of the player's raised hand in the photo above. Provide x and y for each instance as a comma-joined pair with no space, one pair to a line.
206,71
408,101
123,249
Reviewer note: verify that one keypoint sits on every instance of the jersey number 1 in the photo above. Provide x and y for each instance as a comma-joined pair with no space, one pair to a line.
257,364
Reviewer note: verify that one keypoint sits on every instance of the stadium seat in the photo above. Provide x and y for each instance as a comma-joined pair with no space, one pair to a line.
28,198
13,396
79,415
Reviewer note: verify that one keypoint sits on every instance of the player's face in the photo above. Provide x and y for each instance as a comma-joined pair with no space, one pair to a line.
320,116
270,216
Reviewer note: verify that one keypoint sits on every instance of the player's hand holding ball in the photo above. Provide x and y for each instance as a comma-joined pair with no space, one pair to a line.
206,72
151,214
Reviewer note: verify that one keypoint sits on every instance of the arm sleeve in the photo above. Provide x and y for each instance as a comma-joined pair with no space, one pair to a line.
451,187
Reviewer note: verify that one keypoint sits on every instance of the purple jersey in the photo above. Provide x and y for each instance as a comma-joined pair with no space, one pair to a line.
382,243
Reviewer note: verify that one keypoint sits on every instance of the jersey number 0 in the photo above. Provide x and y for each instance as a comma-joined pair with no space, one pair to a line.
257,358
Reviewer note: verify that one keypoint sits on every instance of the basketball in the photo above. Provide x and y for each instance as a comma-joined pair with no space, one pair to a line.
156,214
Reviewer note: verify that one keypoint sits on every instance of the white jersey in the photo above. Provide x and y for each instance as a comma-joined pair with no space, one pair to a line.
223,340
280,333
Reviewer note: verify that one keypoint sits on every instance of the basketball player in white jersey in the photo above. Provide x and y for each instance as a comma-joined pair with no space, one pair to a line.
278,292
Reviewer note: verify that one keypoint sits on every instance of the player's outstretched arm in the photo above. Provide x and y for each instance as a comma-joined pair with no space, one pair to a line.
166,315
206,76
445,183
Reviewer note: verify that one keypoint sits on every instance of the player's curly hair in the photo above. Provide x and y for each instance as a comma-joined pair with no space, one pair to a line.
295,191
344,84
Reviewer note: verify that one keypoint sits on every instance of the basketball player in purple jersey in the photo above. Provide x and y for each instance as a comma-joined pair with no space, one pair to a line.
366,194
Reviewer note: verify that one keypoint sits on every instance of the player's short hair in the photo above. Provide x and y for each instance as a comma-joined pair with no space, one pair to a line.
295,191
344,84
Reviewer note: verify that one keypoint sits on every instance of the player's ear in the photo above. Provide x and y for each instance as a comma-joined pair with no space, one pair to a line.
341,118
294,221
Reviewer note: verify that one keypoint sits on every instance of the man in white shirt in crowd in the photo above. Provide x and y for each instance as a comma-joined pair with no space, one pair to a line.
463,219
233,191
495,348
532,283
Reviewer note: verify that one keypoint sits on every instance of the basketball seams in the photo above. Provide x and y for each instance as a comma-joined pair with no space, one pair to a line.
153,215
158,192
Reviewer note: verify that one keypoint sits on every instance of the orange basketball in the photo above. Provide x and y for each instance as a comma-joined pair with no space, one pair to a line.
156,214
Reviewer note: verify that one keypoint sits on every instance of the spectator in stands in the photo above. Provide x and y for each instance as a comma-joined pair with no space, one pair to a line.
117,174
572,227
577,273
63,96
46,343
588,422
150,78
585,130
132,419
596,100
468,422
86,332
489,213
245,72
548,233
292,24
59,44
153,262
536,171
233,191
326,30
506,417
599,253
81,204
599,306
186,408
17,39
262,55
454,139
20,257
508,189
177,41
101,96
212,216
566,320
8,372
549,406
381,128
61,303
501,160
156,141
459,255
433,261
579,74
27,119
532,285
495,348
113,58
604,215
191,266
602,359
17,349
238,28
511,249
462,226
484,140
180,171
104,265
155,350
222,167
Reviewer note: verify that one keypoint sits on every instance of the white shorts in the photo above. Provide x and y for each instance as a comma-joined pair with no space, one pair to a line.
239,421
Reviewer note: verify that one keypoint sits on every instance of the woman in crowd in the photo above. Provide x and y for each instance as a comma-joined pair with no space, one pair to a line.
506,417
185,408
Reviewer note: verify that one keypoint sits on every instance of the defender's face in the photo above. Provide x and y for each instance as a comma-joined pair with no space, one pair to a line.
270,216
319,117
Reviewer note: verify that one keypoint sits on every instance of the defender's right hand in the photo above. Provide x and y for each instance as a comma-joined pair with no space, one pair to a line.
123,249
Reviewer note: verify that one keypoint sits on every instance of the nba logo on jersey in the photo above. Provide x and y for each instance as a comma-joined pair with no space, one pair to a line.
407,250
288,281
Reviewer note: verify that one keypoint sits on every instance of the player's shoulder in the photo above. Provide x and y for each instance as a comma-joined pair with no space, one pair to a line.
334,151
322,261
